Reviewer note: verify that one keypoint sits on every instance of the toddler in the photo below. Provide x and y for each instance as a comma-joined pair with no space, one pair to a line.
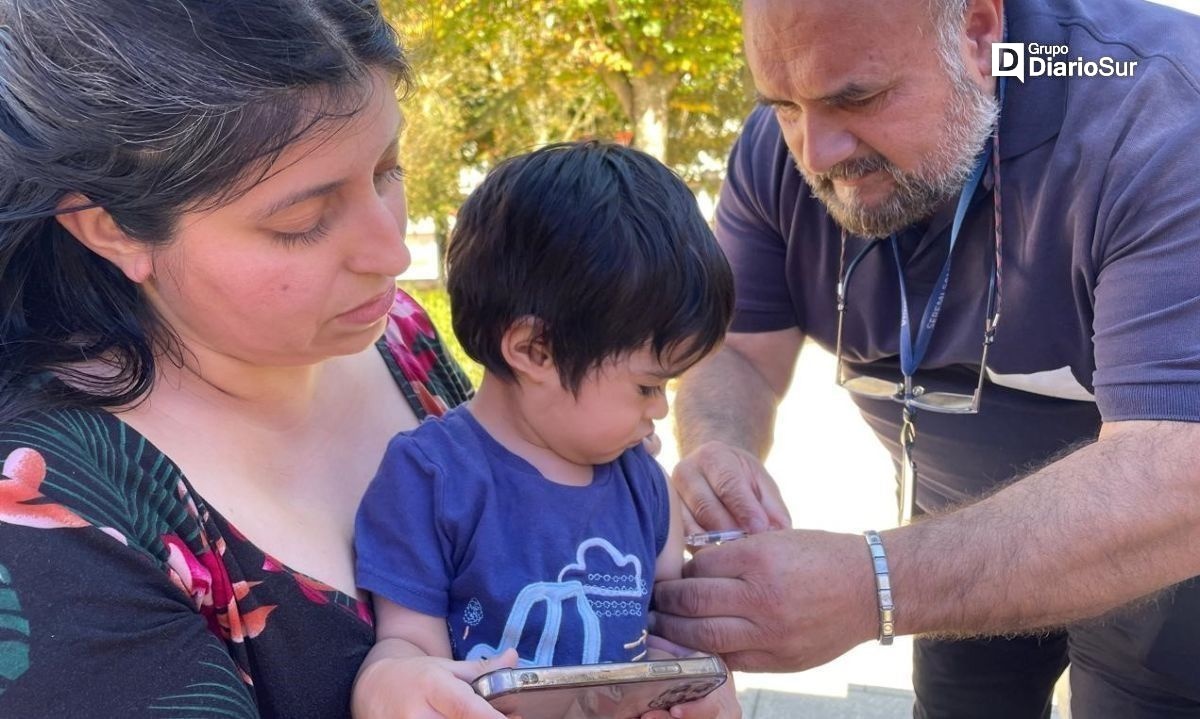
532,520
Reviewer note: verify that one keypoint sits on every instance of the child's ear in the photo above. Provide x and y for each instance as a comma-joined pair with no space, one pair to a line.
99,232
528,355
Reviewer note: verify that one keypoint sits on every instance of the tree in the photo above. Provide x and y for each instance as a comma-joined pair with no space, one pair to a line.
498,77
657,56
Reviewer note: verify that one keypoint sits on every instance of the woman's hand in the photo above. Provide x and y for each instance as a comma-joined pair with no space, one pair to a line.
425,688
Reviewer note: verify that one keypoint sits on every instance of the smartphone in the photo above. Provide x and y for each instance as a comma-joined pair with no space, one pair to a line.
601,691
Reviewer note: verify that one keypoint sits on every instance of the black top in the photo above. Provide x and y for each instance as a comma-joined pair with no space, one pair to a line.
123,594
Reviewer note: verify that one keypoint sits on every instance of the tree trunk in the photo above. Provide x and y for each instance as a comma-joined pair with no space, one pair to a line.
651,96
441,233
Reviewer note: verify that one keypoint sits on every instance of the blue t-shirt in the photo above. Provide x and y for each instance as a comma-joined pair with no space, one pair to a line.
456,526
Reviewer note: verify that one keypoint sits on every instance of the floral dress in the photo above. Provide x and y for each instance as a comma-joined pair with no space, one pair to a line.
123,594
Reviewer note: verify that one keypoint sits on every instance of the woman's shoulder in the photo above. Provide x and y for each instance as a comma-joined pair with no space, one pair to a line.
79,439
419,360
77,468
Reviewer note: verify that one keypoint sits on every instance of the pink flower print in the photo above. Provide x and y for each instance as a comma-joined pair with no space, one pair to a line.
203,578
21,498
410,318
187,573
415,366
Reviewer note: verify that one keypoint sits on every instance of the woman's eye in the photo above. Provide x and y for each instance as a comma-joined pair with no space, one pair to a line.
307,237
649,390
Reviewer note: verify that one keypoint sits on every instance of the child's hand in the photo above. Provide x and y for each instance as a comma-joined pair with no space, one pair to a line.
660,648
722,703
429,688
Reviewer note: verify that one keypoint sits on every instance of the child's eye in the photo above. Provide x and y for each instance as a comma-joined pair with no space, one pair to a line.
649,390
392,174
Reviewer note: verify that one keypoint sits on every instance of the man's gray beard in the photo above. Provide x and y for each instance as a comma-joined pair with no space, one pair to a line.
969,121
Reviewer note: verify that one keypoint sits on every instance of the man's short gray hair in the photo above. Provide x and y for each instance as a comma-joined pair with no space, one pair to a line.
949,19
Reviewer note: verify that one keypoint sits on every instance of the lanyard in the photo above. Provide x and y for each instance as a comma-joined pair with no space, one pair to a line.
912,353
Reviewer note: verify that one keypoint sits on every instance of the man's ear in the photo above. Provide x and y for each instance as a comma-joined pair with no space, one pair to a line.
984,26
528,355
96,230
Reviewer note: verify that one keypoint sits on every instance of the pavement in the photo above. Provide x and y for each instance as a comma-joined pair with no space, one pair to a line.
834,476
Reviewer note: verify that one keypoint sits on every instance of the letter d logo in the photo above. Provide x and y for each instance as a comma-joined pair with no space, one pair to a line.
1008,60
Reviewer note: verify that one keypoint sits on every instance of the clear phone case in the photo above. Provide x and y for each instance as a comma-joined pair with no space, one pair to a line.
600,691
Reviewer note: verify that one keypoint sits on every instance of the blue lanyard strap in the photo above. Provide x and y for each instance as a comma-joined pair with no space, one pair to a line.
912,353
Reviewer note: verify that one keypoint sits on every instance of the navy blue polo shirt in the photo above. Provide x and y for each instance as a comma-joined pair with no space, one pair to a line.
1101,257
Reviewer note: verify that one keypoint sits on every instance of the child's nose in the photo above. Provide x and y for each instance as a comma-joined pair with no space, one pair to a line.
658,408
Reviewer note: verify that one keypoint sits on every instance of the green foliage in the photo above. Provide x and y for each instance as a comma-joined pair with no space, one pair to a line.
14,633
499,77
436,302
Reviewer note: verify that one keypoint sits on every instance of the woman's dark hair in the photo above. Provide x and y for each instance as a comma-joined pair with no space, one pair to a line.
148,110
602,245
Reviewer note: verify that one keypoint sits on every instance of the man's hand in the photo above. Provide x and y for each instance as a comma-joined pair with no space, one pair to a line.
780,601
723,487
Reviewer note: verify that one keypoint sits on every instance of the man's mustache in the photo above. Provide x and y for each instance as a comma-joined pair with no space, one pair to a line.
855,168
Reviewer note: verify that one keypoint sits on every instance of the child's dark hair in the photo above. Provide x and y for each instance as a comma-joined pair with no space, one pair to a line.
603,245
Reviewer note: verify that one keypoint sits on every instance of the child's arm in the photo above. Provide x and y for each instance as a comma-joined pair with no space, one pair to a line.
409,674
669,564
722,703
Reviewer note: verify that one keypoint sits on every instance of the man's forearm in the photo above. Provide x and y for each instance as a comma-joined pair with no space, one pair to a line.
725,399
1112,522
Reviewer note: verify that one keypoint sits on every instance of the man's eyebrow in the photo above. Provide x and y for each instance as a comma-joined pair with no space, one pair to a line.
762,99
298,197
849,93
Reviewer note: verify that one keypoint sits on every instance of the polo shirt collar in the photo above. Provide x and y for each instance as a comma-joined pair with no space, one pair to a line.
1033,110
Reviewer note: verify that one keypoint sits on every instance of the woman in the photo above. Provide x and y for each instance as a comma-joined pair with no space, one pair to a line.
202,351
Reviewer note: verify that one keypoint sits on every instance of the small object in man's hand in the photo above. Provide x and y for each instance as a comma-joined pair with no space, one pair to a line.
704,539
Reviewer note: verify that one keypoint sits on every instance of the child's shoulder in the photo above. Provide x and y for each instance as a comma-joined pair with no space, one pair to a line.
639,462
448,441
642,474
456,422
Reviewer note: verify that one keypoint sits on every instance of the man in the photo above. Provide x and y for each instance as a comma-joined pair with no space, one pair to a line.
877,118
